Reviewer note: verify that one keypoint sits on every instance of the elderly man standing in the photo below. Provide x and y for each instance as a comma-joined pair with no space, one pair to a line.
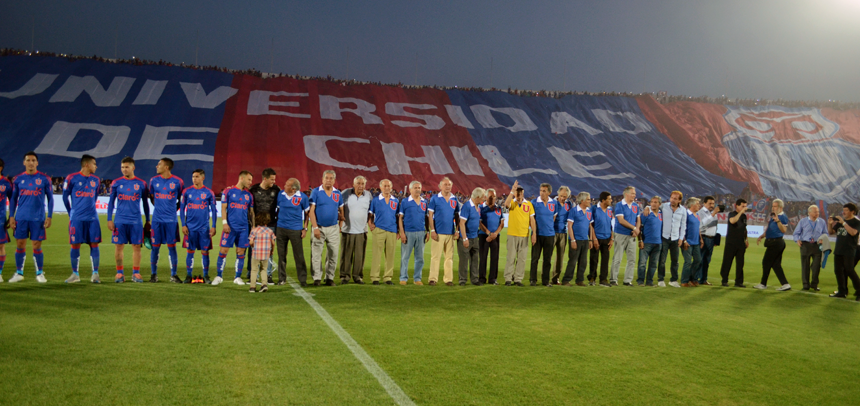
806,235
708,217
545,213
774,247
521,216
674,230
470,220
356,205
443,231
602,215
650,241
412,217
692,246
626,230
293,205
560,245
580,227
326,210
491,225
383,226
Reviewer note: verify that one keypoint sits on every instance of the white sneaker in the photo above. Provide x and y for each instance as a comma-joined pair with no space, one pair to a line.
217,281
661,284
95,278
41,278
759,286
17,278
675,284
238,281
74,278
783,288
1,279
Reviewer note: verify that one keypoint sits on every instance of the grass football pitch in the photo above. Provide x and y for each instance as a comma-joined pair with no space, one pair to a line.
166,344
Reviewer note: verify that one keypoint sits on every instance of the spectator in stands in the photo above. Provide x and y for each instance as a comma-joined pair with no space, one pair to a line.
806,235
777,225
736,245
845,227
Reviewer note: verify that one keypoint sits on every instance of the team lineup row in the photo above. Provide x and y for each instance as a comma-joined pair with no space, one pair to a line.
270,219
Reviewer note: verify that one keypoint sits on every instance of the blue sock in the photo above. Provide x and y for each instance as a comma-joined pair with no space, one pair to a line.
220,264
94,257
205,261
40,260
20,256
75,254
119,269
153,258
171,253
2,262
240,265
189,262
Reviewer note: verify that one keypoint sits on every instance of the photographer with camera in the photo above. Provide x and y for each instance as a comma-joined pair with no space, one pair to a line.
806,236
708,217
736,245
845,227
775,246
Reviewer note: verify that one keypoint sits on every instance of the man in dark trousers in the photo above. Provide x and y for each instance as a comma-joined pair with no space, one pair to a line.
846,229
736,244
265,196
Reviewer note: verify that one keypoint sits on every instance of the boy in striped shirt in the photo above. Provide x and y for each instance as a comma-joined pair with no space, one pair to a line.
262,241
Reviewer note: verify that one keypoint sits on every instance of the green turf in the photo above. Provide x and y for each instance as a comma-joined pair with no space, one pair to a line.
173,344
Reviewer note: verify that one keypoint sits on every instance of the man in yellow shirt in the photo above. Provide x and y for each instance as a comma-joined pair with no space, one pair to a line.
520,217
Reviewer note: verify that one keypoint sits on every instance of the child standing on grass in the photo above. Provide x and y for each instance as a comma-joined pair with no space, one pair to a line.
262,241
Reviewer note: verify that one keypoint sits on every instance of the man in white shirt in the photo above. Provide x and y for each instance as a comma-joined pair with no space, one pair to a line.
674,230
708,218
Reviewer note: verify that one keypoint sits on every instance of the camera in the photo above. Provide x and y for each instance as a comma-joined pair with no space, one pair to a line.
722,208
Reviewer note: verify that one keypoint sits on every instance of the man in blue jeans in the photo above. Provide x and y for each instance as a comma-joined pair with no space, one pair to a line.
411,218
674,230
650,241
708,218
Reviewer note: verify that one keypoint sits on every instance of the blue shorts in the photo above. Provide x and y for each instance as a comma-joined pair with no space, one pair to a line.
4,235
34,230
164,233
238,238
128,234
197,241
85,232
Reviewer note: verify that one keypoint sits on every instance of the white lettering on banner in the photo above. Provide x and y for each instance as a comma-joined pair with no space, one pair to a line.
198,98
466,161
457,116
398,163
150,92
37,84
154,140
260,100
561,121
500,166
317,151
608,119
572,167
330,109
62,133
484,115
430,122
112,97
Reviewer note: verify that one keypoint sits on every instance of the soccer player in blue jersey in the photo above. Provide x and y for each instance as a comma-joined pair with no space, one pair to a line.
27,214
236,202
164,190
197,208
5,195
80,191
127,194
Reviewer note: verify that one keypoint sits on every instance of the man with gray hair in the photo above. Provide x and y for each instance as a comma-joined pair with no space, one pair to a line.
708,217
383,226
564,206
806,235
580,226
356,205
443,232
293,206
492,223
544,236
470,220
691,250
326,210
626,230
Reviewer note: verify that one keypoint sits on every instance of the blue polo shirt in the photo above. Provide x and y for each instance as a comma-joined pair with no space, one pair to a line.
490,217
326,206
385,214
602,222
692,228
581,220
413,214
652,228
443,213
773,229
292,210
545,216
472,215
561,217
629,213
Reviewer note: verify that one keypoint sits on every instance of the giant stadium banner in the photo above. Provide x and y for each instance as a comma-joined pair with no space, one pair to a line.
226,123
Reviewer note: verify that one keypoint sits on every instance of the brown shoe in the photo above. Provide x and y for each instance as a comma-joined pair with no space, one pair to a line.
580,283
432,283
566,284
705,283
694,283
419,283
449,283
686,285
403,283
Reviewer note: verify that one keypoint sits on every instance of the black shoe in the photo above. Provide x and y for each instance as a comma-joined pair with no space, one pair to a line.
187,279
534,283
816,289
462,283
478,284
329,282
613,283
154,278
389,283
806,289
358,281
264,289
605,284
174,279
549,285
740,286
280,283
520,284
270,280
206,280
252,290
494,283
838,295
303,284
376,282
628,284
316,282
508,283
342,281
724,284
